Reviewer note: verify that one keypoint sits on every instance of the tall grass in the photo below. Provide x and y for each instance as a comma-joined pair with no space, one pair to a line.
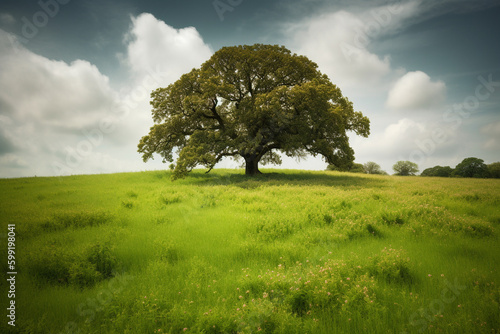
285,252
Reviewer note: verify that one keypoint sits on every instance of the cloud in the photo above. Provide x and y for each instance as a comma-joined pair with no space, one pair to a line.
46,105
426,142
65,118
339,42
492,131
155,46
416,91
7,18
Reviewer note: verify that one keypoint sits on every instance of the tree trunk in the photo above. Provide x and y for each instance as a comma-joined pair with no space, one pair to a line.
252,166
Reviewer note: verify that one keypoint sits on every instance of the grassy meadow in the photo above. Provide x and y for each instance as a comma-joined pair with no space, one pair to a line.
284,252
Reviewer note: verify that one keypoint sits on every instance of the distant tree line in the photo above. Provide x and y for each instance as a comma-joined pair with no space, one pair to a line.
368,168
469,167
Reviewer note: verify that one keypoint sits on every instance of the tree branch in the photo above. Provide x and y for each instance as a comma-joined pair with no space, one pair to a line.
219,157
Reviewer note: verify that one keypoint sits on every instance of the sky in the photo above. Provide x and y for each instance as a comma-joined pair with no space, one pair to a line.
76,75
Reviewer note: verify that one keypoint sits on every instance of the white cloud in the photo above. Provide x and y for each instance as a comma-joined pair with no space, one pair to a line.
155,46
339,42
329,41
425,142
416,91
46,104
55,116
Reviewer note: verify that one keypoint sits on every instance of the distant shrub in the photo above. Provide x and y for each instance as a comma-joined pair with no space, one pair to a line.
355,168
372,168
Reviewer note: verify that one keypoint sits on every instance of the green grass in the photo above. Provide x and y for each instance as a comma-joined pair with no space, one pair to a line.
285,252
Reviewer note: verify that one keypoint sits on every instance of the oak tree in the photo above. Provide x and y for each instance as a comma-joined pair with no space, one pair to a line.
405,168
251,102
471,167
372,168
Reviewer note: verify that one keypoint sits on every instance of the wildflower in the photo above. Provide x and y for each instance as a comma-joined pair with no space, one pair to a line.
429,275
240,297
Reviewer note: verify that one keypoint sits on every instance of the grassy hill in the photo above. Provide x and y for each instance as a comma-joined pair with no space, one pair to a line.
286,252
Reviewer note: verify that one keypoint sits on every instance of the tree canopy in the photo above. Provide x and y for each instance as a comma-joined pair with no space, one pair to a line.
438,171
471,167
251,102
405,168
372,168
494,170
354,168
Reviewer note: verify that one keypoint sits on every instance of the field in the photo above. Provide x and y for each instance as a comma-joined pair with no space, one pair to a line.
285,252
